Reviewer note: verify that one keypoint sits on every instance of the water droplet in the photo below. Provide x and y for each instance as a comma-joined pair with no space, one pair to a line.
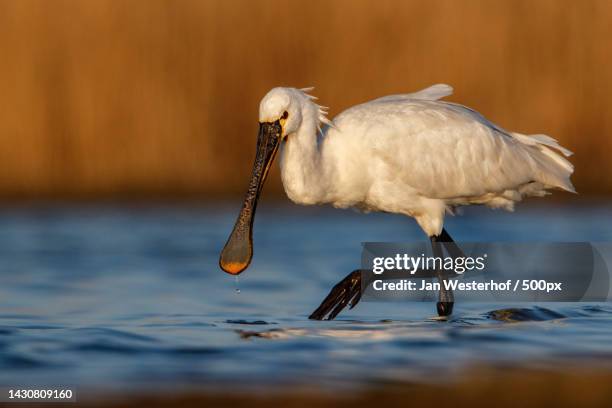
236,288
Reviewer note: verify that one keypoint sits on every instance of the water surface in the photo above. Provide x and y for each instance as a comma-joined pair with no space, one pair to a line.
131,297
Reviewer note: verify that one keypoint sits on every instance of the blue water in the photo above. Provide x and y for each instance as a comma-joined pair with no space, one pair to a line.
126,298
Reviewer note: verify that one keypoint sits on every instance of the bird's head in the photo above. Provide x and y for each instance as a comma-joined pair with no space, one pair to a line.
282,113
282,106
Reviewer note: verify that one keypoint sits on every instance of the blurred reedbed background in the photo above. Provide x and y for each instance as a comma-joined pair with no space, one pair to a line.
114,99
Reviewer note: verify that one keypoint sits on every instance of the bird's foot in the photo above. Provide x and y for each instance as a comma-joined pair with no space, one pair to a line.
345,292
444,308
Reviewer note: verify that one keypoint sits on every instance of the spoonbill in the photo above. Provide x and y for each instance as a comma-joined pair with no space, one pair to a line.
410,154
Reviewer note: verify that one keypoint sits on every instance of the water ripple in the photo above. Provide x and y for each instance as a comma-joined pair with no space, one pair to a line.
118,296
534,314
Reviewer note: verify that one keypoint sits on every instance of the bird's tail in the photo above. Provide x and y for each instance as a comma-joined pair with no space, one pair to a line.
555,170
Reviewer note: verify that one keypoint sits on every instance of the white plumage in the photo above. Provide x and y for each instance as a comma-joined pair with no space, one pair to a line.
410,154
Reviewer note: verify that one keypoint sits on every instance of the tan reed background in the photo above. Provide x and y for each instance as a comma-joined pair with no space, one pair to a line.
148,98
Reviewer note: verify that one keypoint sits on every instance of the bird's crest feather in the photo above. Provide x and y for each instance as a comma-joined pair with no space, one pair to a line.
322,110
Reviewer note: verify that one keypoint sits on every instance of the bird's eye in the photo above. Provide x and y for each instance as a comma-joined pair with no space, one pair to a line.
285,115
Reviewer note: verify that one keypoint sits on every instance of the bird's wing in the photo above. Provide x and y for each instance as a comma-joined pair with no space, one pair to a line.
433,93
446,150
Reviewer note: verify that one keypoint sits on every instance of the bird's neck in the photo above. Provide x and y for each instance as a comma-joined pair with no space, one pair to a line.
302,169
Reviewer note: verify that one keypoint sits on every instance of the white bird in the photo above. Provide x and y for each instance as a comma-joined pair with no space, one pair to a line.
410,154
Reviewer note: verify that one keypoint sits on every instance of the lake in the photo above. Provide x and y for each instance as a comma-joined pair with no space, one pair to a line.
124,298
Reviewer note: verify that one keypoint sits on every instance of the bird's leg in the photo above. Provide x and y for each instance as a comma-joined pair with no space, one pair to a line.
445,296
450,245
348,291
345,291
446,299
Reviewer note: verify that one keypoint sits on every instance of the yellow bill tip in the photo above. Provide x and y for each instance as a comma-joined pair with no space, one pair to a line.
233,268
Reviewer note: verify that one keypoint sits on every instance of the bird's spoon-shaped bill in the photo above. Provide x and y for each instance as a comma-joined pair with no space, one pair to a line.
238,250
